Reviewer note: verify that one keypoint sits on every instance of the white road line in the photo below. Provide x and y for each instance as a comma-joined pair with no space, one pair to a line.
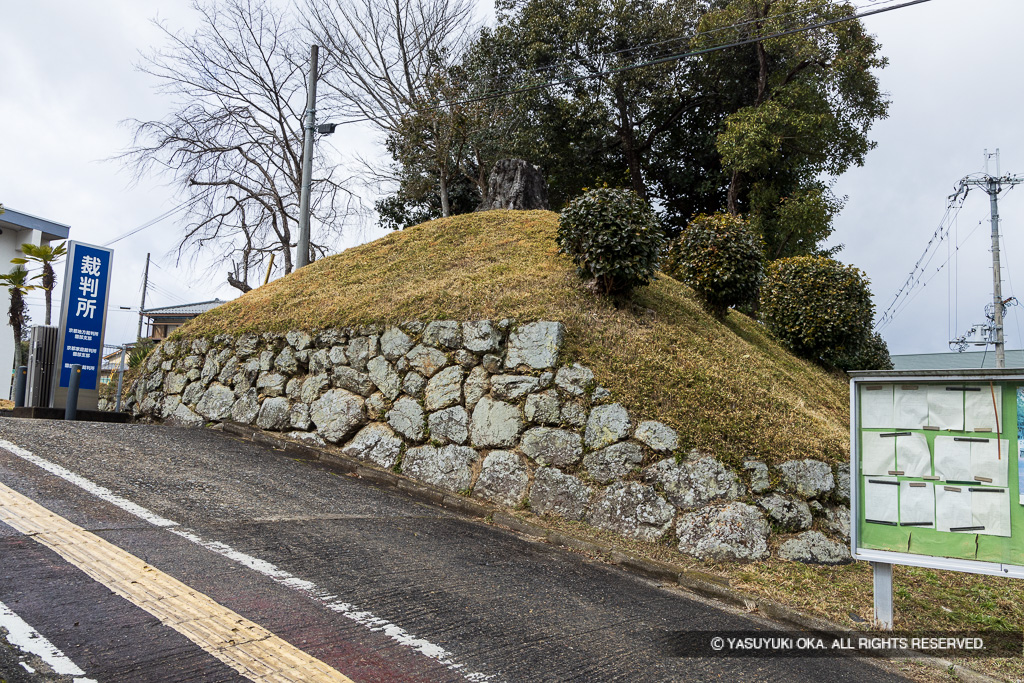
308,588
22,636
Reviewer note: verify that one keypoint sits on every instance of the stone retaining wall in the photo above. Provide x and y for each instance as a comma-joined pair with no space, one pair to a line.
485,408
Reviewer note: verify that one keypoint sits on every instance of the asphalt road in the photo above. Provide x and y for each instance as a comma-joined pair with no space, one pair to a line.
365,580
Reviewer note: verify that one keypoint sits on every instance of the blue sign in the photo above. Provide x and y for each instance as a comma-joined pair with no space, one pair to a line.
87,280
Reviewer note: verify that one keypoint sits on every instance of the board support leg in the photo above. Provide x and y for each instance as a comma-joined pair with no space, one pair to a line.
882,572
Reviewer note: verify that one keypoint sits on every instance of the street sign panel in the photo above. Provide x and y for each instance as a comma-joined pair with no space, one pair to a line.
83,314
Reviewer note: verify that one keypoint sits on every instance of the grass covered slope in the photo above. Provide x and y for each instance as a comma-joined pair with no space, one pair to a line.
729,389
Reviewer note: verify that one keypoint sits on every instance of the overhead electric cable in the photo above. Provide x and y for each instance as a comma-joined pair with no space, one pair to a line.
170,212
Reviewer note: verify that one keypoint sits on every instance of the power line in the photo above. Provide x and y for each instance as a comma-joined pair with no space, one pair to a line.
170,212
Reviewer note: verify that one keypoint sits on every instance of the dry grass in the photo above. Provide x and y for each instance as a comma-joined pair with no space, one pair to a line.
6,405
729,389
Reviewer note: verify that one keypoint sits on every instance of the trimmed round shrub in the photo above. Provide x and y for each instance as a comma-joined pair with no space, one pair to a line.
720,257
819,307
613,237
873,354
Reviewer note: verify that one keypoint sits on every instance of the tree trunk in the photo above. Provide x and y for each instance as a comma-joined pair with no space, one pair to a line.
629,147
732,199
445,207
48,282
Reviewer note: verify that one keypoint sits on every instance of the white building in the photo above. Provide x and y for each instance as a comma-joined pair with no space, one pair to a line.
16,229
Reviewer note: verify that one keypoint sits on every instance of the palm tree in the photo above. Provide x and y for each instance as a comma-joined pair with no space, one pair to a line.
43,254
17,284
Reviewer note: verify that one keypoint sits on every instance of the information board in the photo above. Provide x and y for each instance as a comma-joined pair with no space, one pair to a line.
935,469
83,313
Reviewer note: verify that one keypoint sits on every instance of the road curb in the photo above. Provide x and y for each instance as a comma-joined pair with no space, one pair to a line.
701,583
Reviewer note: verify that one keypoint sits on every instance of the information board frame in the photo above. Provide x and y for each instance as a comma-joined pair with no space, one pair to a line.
1004,377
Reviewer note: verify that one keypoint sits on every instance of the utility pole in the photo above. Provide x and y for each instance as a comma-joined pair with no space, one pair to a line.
992,185
142,306
308,122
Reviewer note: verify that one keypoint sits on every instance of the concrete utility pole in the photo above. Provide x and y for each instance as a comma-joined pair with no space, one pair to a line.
992,185
308,122
142,306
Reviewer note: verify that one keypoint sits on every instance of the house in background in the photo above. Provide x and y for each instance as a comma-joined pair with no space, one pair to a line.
110,365
164,321
16,229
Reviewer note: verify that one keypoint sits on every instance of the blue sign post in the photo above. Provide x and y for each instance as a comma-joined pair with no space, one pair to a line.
83,318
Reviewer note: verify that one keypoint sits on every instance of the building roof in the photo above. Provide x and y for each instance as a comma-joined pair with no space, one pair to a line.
184,309
968,360
16,220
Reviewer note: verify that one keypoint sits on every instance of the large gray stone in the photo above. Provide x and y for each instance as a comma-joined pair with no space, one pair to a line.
350,379
574,414
575,379
657,436
332,336
443,334
414,384
383,374
216,402
515,184
247,345
360,350
271,383
512,387
807,478
228,370
633,510
814,547
246,408
426,360
759,480
293,389
695,482
337,415
174,383
337,356
837,520
376,406
480,336
406,418
555,493
183,416
543,408
298,417
547,446
449,426
613,462
298,339
733,532
607,424
444,389
394,343
266,360
503,479
535,345
449,467
466,359
477,384
375,442
286,361
274,414
787,511
496,423
312,387
843,483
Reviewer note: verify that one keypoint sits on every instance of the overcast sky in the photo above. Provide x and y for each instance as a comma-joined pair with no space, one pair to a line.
67,79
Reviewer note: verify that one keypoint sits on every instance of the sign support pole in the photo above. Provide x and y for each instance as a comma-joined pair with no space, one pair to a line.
882,572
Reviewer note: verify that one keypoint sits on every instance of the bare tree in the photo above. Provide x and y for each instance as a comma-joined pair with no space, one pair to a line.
233,145
387,58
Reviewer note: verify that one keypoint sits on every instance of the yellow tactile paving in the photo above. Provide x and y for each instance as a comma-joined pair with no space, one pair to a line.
245,646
